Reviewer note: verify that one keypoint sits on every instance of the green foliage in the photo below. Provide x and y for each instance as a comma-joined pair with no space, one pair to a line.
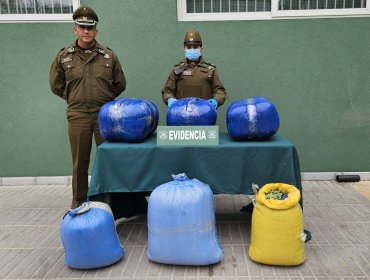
275,194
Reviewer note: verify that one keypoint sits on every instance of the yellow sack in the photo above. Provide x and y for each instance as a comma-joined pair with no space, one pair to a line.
277,227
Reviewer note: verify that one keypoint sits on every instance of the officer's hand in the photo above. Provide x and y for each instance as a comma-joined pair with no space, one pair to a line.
170,101
213,102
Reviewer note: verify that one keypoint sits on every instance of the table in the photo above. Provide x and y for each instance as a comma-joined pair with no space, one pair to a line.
230,168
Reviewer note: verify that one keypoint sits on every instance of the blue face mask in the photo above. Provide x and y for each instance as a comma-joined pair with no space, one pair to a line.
193,54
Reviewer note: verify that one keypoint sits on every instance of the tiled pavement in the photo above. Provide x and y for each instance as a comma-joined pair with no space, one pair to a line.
337,215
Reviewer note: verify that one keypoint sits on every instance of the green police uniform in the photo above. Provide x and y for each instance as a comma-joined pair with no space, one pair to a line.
194,79
86,79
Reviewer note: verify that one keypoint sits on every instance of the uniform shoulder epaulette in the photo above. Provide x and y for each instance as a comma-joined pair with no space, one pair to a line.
207,65
104,52
181,63
72,49
179,67
101,50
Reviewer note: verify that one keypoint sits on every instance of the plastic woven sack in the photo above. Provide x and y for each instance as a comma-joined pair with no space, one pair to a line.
181,224
277,228
89,237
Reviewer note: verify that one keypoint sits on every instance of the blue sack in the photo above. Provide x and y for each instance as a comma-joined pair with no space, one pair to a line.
128,120
181,224
89,237
191,111
254,118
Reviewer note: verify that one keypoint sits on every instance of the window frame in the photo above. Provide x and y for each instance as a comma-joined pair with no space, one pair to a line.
14,18
182,14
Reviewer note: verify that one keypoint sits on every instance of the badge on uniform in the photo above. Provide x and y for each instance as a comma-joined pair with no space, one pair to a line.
187,73
106,56
66,59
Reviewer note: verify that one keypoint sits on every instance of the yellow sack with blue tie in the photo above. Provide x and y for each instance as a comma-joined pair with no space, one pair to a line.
277,236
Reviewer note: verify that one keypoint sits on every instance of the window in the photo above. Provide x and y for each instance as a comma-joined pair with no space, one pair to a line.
37,10
207,10
320,8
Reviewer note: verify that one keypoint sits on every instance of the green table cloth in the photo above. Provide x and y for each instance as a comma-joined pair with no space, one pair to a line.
230,167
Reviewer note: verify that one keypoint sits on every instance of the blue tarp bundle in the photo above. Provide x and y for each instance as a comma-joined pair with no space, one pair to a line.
191,111
89,237
181,224
128,120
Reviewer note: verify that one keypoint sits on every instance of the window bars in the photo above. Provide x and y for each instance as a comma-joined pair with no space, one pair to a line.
240,6
13,7
227,6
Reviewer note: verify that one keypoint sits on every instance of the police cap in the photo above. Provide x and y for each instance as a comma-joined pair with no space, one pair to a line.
192,37
84,15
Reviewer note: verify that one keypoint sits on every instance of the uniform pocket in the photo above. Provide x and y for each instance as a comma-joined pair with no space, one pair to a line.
104,70
73,72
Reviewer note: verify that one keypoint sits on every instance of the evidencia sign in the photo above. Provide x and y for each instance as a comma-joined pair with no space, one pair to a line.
187,135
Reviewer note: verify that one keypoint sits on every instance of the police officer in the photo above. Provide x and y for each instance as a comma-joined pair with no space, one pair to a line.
193,77
87,75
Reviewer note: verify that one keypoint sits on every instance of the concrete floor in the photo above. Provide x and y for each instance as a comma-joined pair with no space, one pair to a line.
338,216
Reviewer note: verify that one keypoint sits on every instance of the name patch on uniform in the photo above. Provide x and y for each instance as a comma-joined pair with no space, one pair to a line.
187,73
66,59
